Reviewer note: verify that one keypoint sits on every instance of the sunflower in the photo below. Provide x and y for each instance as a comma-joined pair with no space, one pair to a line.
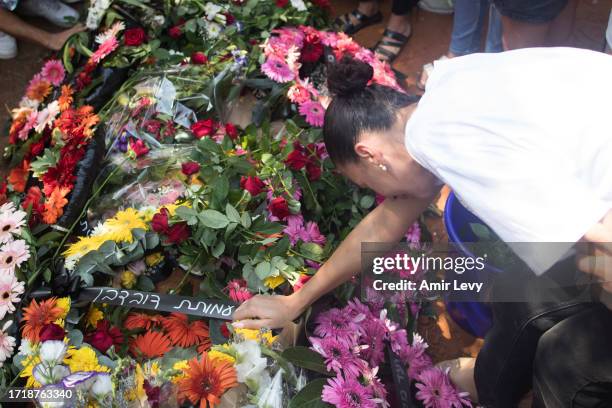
141,321
150,345
36,315
206,381
184,333
121,225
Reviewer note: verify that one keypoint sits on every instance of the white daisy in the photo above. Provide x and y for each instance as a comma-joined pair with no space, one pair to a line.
213,30
7,343
11,221
10,289
12,255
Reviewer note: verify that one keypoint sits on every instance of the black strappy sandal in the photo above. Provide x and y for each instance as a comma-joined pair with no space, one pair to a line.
343,23
398,41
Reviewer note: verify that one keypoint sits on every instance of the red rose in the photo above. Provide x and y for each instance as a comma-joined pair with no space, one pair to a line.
175,32
313,170
134,37
159,223
229,19
178,233
278,207
296,160
52,331
104,336
138,147
231,131
190,168
281,3
312,50
252,184
199,58
203,128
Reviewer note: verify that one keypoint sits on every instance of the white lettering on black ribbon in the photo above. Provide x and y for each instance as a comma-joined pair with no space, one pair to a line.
212,308
400,379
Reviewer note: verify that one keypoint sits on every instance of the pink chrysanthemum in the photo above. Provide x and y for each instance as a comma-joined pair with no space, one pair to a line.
104,49
436,391
373,335
414,356
237,290
53,71
337,323
314,113
347,393
339,355
295,228
311,233
277,70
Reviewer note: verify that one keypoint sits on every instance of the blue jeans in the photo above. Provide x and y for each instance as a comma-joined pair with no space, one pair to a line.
467,27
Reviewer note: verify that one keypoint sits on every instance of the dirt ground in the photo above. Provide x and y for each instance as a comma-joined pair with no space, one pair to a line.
430,39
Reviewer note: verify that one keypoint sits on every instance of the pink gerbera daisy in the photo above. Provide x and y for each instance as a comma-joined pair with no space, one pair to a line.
12,255
10,289
237,290
314,113
104,49
29,125
53,71
11,221
347,393
277,70
7,343
436,391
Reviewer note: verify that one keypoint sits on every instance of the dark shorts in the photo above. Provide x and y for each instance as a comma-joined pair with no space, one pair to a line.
530,11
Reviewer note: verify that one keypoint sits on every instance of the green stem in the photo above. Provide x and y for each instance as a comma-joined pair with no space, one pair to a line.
184,279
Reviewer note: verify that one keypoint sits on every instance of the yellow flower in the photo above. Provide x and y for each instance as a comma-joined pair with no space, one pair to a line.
64,304
121,225
154,259
231,153
195,180
94,315
140,377
214,354
28,365
128,279
264,337
60,322
180,366
83,246
83,359
171,208
274,281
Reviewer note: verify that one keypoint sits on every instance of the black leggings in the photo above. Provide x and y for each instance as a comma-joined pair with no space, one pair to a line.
401,7
562,350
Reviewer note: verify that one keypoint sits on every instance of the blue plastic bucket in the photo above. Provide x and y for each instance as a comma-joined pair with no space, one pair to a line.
473,317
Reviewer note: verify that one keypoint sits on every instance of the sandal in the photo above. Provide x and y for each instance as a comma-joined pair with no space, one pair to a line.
343,23
398,41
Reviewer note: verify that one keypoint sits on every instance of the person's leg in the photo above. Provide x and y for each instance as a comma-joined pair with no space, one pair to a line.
494,31
573,362
364,15
398,30
467,27
13,25
562,26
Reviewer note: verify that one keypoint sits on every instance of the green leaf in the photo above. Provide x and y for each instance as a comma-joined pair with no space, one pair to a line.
263,270
213,219
312,251
245,220
306,358
43,163
310,396
481,231
218,249
145,284
232,213
220,188
76,337
188,214
366,201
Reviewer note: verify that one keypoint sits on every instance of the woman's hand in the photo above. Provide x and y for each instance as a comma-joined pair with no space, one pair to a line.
596,257
272,312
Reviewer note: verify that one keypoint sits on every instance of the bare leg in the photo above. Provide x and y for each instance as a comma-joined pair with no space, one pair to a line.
517,34
13,25
399,24
562,26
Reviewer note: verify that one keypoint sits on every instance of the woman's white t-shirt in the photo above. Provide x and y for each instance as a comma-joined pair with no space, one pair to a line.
524,138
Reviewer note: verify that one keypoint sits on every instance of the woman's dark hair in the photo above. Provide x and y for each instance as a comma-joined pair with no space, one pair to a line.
357,107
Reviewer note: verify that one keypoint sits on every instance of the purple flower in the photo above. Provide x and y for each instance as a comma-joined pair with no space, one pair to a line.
311,233
312,264
414,356
413,236
340,355
277,69
295,228
436,391
347,393
373,334
337,323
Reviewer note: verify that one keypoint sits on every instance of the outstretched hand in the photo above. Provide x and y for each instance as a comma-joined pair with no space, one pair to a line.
271,312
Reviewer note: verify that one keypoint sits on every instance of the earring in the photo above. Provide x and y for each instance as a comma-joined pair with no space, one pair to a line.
382,167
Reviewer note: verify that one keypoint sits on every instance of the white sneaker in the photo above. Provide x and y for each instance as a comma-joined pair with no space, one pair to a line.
53,10
8,46
437,6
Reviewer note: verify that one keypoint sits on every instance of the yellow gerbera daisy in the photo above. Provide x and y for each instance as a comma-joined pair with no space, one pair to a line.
64,304
83,246
94,315
264,337
83,359
215,354
274,281
28,365
121,225
180,366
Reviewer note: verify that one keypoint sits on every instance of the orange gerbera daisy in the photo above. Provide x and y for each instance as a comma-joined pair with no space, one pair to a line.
150,345
18,178
54,207
65,100
37,315
184,333
206,381
141,321
38,89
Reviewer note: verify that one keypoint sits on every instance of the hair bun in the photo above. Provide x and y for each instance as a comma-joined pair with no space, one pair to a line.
348,76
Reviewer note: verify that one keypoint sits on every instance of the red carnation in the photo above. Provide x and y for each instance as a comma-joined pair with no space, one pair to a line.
190,168
52,331
203,128
312,50
178,233
138,147
104,336
175,32
313,170
231,131
159,223
38,147
229,19
296,160
282,3
134,37
199,58
278,207
252,184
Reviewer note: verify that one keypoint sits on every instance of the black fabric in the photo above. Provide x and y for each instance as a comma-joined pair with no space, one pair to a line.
403,7
530,11
561,348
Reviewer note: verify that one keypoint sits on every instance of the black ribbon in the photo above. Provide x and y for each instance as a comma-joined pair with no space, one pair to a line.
400,379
